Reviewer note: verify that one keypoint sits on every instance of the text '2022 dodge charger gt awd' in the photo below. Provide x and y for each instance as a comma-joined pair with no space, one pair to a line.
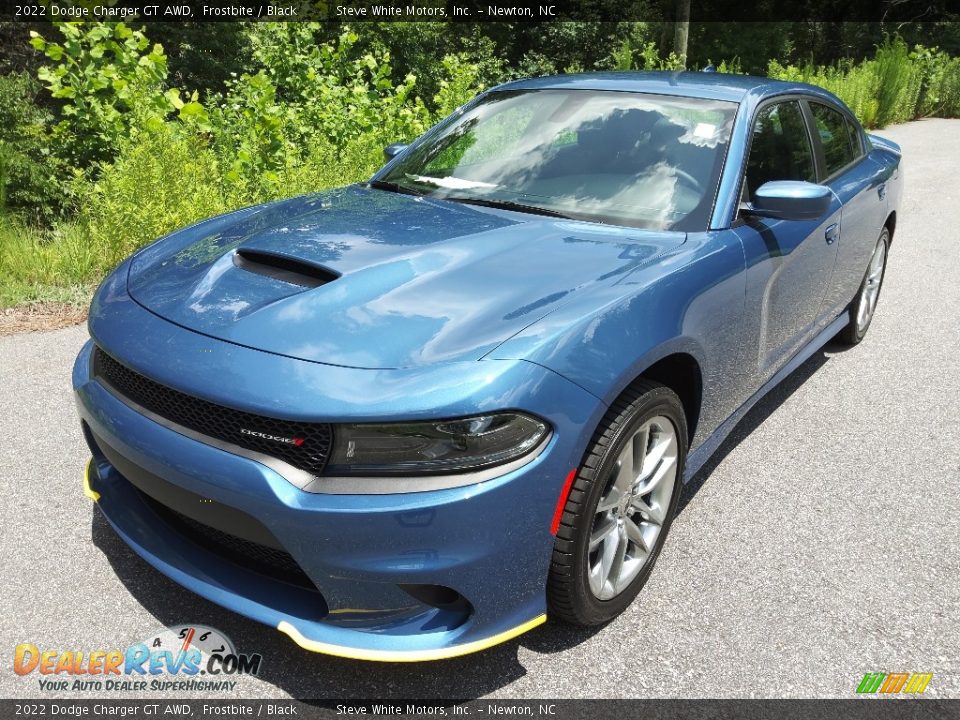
410,418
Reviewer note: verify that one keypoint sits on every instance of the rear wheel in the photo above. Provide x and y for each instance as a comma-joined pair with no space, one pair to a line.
865,303
620,508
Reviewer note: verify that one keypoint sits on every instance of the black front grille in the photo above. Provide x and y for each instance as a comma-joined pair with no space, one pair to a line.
272,562
218,421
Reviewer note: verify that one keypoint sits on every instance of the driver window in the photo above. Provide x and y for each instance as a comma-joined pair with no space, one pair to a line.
780,147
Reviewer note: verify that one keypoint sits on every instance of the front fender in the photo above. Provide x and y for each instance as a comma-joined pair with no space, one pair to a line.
690,301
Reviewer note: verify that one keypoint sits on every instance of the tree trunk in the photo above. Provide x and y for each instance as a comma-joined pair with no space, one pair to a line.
681,29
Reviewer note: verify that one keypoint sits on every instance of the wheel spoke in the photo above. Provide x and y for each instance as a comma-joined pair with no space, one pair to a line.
624,477
638,447
657,453
665,453
636,535
600,534
616,565
608,555
596,578
650,513
630,462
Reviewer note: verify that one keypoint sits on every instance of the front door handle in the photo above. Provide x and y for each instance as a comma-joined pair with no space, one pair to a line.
832,233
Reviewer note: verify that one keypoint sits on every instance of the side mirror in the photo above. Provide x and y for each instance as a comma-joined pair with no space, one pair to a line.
391,151
790,200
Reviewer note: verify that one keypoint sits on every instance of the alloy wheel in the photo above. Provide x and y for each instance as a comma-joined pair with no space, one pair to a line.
633,507
871,286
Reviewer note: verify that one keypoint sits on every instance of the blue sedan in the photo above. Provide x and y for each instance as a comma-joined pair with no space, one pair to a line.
414,417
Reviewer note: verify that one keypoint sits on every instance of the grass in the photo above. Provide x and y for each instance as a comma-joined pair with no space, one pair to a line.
60,266
158,183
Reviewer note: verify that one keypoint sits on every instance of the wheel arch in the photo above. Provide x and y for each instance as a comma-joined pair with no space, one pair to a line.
681,372
891,224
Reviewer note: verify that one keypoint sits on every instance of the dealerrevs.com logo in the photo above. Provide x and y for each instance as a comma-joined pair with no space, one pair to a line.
180,658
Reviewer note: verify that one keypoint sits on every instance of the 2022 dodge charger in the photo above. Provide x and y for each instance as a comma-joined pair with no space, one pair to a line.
410,418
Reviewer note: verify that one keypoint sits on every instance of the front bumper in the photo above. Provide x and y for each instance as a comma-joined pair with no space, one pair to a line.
489,542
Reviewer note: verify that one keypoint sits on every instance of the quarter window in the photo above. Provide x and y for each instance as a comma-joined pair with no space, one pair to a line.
780,148
840,140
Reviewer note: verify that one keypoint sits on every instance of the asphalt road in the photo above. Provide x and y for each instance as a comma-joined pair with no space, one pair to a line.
822,543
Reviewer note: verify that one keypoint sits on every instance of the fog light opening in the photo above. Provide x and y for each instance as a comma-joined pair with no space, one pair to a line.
440,597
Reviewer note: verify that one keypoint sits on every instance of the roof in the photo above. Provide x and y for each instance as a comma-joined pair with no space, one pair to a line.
710,85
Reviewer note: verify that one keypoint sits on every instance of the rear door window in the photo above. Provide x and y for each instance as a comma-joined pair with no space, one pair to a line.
838,136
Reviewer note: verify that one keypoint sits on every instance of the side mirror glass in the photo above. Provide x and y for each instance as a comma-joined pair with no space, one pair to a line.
790,200
391,151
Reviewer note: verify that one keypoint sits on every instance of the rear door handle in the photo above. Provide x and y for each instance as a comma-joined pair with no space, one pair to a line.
832,233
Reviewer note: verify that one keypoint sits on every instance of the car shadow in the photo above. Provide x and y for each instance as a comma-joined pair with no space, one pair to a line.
303,674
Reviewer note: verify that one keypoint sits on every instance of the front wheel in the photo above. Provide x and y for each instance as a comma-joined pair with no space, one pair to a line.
865,303
620,508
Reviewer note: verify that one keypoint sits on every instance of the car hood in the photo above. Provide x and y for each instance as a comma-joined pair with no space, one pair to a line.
400,281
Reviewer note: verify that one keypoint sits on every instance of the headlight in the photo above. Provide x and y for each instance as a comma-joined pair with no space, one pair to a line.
431,448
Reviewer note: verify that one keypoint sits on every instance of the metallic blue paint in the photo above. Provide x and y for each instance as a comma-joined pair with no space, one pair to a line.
459,276
444,310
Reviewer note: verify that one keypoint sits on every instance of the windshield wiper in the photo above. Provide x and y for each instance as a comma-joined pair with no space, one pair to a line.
508,205
393,187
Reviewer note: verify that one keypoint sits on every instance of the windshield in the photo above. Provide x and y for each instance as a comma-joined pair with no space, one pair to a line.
633,159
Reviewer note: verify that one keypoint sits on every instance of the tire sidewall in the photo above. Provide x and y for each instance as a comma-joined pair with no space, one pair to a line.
660,401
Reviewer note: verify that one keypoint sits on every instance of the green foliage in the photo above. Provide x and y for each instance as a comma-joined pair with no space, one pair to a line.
161,180
897,82
644,56
940,94
331,88
896,85
202,56
33,183
733,66
653,61
459,82
253,134
38,265
100,71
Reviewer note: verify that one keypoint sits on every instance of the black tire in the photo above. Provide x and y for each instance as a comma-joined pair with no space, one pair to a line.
852,334
569,597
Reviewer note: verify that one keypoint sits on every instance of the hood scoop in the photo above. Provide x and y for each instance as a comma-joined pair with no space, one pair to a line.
284,268
417,281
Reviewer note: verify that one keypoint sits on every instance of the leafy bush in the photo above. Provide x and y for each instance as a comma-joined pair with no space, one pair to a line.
895,86
160,181
32,183
331,88
897,82
459,82
940,94
101,71
253,135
